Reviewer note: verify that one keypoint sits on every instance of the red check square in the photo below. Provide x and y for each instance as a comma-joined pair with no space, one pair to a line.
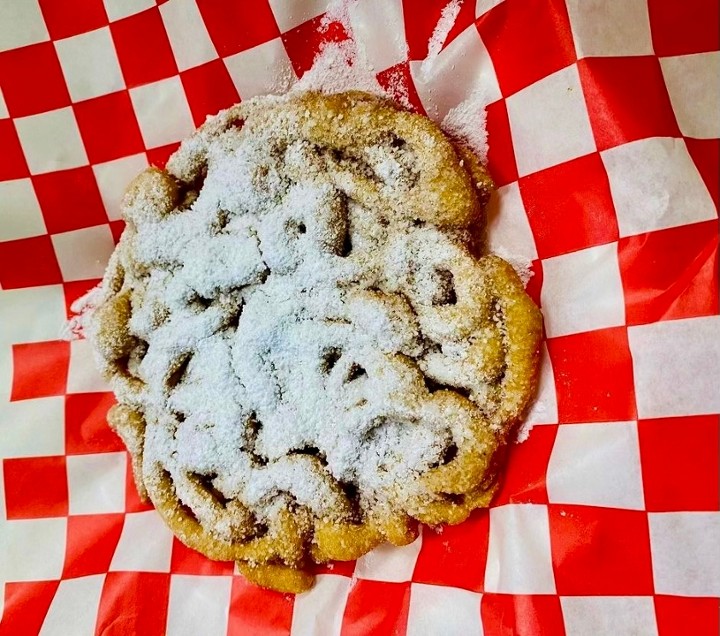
501,156
209,89
376,607
275,617
524,479
12,159
28,262
305,41
64,19
69,199
143,48
527,40
86,427
508,614
398,81
626,99
419,25
534,286
668,274
27,605
133,603
680,616
91,543
569,206
456,556
681,31
237,26
593,376
35,487
686,446
45,90
600,551
116,229
158,156
75,290
108,127
184,560
40,369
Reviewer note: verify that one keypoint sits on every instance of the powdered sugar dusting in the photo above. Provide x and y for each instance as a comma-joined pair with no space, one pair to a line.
442,29
82,310
467,123
275,360
338,68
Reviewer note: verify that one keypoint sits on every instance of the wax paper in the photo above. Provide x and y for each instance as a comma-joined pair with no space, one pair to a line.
603,127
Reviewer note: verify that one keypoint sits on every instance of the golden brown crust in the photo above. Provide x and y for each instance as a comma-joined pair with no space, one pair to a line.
479,307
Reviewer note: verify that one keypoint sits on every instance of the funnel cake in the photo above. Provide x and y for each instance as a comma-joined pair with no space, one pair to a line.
309,354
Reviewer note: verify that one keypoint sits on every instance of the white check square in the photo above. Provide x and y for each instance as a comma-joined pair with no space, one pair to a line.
693,82
544,409
32,428
83,375
602,28
21,24
198,605
609,615
117,9
83,254
162,112
462,69
75,604
263,69
435,609
519,559
46,304
549,122
676,364
96,483
582,291
389,563
33,549
90,64
378,28
189,39
51,141
685,549
666,189
292,13
596,465
20,214
508,229
145,544
327,598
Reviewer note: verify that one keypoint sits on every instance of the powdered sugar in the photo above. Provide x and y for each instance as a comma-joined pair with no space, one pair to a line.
276,359
467,123
336,69
82,310
443,27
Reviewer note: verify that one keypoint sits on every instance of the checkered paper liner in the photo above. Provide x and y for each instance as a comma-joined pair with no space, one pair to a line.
604,142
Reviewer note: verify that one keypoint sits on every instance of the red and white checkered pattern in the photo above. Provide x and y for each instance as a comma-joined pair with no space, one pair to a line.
603,133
